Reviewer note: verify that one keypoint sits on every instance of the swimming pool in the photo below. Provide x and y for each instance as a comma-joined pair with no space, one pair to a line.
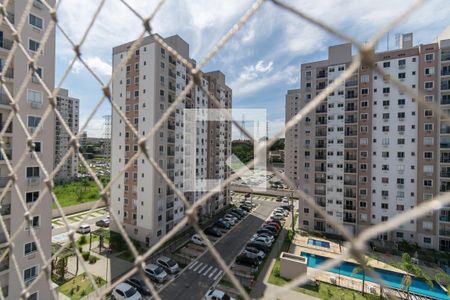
319,243
391,279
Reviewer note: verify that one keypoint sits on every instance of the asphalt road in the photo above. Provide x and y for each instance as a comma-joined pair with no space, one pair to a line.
90,220
201,273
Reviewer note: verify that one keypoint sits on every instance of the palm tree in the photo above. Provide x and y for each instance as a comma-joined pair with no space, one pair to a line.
443,279
412,269
362,269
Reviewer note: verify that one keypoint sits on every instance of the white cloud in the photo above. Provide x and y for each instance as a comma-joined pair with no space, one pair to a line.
97,65
247,85
253,71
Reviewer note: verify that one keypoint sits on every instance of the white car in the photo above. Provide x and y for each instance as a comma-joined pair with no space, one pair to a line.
230,220
84,228
214,294
156,273
278,214
261,239
255,251
196,239
281,211
267,236
124,291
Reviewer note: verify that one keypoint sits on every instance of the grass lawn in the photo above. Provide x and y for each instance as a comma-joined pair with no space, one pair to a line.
76,192
322,290
80,286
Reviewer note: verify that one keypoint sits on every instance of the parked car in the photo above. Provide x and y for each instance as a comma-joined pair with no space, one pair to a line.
102,223
84,228
230,220
125,291
214,231
196,239
278,215
279,218
281,211
245,208
260,246
247,195
232,217
262,239
252,255
271,227
262,230
239,212
279,199
214,294
236,215
278,226
286,207
245,260
275,221
255,251
155,273
265,235
168,264
139,285
222,224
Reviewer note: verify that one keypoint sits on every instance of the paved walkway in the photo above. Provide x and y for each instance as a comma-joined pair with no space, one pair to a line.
262,284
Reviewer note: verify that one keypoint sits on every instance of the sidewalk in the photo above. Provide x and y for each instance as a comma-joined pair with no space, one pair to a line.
262,284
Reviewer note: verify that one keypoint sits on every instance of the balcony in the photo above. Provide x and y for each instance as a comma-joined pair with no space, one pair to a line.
321,74
349,194
6,44
321,145
350,108
349,207
351,83
349,181
351,96
320,169
444,218
350,170
321,133
169,205
350,120
445,159
171,139
445,56
171,126
349,219
319,192
321,203
445,174
351,132
170,166
320,180
444,232
445,99
351,145
350,157
321,109
321,157
445,85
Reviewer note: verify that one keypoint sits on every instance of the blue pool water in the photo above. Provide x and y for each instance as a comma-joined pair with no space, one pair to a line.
391,279
318,243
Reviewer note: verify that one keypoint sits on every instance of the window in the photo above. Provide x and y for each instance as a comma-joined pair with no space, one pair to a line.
364,91
428,183
428,85
31,197
428,113
428,155
33,45
32,172
36,21
402,75
384,205
364,78
429,57
34,97
401,102
29,248
386,64
33,121
429,71
426,240
37,147
428,141
428,126
30,274
401,63
386,90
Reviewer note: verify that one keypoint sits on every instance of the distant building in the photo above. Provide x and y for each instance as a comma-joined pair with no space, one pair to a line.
69,108
369,151
276,156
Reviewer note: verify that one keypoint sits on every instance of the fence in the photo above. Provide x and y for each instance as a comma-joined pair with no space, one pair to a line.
364,57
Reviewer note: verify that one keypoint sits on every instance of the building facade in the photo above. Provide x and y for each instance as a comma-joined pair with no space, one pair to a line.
144,88
370,151
29,176
69,108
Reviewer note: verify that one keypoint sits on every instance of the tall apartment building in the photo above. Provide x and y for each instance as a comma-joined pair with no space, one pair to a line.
144,89
69,108
29,176
370,152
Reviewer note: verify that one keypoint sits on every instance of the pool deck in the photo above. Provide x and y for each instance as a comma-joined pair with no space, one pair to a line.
300,243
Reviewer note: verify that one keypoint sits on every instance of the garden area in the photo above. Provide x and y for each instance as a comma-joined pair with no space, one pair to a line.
80,286
76,192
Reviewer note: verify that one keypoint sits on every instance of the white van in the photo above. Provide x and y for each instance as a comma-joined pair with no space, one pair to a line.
84,228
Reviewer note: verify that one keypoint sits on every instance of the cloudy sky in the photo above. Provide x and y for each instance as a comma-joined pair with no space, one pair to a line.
260,63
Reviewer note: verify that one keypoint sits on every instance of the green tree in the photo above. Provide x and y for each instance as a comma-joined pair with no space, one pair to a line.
443,279
415,270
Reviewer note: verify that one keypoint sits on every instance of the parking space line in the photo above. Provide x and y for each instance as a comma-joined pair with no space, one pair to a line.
218,275
193,264
213,272
197,267
206,272
201,270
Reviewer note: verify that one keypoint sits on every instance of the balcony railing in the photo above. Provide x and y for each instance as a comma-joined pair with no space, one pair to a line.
171,126
321,75
445,86
351,83
319,192
350,108
320,180
321,203
321,157
350,207
321,146
350,182
445,174
351,133
444,218
351,120
351,145
445,56
350,170
320,169
350,195
349,220
350,157
444,232
351,96
169,205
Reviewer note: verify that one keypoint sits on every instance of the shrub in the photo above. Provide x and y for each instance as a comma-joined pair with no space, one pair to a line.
86,255
93,259
82,240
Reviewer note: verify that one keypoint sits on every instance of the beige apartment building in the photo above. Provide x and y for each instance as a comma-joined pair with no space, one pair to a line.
370,152
29,176
143,89
69,108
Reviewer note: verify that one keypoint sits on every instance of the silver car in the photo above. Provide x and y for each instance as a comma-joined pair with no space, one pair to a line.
168,264
156,273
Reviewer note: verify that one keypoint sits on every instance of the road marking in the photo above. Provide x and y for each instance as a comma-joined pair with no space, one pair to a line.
206,272
218,274
213,272
201,270
198,266
193,264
